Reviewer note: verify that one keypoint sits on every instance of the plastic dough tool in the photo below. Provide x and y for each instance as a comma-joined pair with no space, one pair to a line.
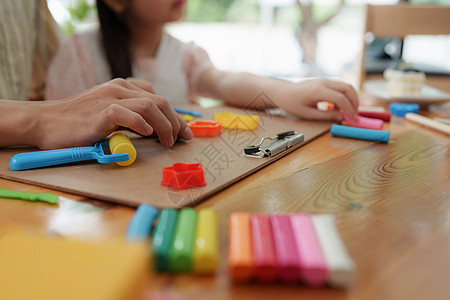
123,153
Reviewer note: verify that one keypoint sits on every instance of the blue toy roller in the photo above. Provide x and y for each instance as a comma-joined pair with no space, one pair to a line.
39,159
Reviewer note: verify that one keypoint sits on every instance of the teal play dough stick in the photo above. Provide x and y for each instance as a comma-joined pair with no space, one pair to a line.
142,222
162,238
45,197
360,133
182,248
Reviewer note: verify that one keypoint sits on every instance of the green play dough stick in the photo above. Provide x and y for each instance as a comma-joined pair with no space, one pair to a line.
45,197
182,248
162,238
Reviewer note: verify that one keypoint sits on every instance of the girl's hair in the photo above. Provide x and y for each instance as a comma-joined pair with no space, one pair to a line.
116,39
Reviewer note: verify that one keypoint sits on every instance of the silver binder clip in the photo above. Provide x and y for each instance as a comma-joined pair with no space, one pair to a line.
279,143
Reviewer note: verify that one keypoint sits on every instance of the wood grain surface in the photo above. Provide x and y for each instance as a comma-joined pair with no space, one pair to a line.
391,202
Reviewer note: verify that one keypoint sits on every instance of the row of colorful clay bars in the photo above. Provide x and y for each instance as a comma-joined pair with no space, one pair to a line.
183,240
289,248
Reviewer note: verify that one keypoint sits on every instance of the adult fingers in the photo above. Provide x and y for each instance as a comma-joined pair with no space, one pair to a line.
185,131
170,114
117,115
346,89
122,89
151,110
142,84
120,82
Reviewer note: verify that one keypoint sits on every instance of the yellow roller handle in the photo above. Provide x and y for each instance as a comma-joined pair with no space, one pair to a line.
120,143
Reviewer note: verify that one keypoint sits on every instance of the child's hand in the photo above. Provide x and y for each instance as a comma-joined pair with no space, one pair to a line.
92,115
301,99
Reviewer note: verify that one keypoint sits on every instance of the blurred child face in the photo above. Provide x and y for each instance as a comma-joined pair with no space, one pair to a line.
152,12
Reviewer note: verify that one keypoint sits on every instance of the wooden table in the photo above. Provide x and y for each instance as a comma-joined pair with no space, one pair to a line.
391,202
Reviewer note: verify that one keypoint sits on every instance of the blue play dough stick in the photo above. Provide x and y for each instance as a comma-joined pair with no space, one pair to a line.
142,222
360,133
187,111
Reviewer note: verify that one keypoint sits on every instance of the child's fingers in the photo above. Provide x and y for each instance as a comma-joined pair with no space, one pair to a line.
315,114
346,89
340,100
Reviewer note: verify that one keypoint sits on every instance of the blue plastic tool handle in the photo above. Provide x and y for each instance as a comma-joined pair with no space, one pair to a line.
39,159
142,222
188,112
360,133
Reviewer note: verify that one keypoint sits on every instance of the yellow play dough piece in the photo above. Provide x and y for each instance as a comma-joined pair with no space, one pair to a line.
237,121
188,118
120,143
34,267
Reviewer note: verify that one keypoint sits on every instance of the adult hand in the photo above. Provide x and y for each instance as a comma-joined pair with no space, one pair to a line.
92,115
301,99
142,84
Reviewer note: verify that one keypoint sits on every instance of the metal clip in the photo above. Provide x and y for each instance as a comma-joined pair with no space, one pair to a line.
281,142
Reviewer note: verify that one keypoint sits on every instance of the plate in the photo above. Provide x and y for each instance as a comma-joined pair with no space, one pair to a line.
429,94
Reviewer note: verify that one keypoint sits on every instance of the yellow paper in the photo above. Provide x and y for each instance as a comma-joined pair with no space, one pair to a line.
55,268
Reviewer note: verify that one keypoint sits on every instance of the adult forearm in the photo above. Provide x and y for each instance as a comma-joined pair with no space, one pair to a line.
18,123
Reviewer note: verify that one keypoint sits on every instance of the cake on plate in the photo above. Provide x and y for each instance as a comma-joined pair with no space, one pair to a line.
403,80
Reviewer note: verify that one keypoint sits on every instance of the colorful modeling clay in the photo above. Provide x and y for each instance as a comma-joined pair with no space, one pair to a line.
363,122
188,118
206,249
325,106
385,116
367,108
205,128
237,121
339,264
313,268
360,133
264,258
142,222
183,176
187,111
162,238
240,247
285,248
292,248
44,197
182,248
401,109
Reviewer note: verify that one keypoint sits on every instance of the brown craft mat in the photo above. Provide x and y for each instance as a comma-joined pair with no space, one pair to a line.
221,157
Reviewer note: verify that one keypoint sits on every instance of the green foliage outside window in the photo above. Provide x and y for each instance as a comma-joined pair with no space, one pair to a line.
204,11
